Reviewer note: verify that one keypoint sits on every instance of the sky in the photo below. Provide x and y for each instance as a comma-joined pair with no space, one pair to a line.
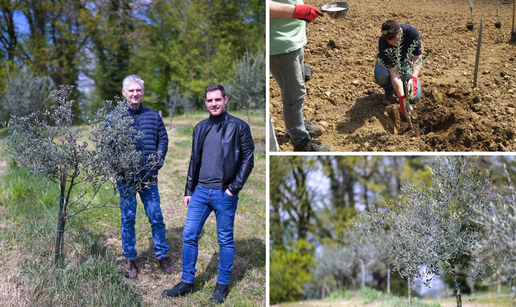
21,22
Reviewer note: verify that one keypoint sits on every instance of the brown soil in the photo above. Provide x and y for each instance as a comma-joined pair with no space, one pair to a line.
343,97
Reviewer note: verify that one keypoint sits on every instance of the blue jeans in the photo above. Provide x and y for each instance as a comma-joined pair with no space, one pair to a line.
383,79
202,203
288,71
151,202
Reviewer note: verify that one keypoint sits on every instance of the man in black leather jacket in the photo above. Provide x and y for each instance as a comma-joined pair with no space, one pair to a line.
221,161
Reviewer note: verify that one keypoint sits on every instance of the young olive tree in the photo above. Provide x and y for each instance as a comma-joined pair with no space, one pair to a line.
74,166
335,268
173,100
404,66
498,247
470,4
26,93
436,226
375,238
248,84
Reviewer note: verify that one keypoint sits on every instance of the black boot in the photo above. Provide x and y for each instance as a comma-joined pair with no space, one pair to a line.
220,293
181,289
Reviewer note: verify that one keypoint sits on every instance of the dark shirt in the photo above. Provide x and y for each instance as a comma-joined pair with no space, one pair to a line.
210,172
408,37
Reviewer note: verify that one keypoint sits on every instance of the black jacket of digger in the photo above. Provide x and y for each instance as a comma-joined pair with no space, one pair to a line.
237,153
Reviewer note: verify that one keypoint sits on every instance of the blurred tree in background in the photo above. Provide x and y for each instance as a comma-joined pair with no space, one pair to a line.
247,87
26,93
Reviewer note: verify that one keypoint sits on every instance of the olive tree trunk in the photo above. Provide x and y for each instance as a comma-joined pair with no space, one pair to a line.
61,220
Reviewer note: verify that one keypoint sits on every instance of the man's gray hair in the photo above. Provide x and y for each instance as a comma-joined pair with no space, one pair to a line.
132,79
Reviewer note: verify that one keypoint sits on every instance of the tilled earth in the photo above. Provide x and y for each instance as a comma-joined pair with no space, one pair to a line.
343,97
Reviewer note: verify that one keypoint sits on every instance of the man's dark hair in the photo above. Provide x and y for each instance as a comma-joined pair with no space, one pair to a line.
215,87
390,25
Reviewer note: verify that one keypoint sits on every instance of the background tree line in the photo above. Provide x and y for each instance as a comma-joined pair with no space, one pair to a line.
179,44
316,204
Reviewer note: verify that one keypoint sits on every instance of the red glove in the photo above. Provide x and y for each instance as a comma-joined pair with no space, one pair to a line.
402,106
306,12
412,87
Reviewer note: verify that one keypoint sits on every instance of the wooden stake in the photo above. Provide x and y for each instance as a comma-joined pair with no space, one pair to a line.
513,31
479,44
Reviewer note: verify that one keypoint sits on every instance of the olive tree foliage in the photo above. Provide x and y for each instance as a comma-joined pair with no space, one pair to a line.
26,93
436,227
374,241
335,268
404,66
498,247
76,166
349,263
247,86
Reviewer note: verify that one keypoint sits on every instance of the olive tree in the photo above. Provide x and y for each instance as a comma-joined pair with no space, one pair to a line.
404,66
375,238
76,166
436,226
335,268
498,247
26,93
247,86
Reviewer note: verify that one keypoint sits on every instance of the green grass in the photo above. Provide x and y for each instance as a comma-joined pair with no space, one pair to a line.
341,296
89,267
92,272
504,298
4,132
396,301
370,297
185,131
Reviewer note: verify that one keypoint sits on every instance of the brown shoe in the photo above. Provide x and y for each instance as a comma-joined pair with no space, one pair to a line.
166,265
131,269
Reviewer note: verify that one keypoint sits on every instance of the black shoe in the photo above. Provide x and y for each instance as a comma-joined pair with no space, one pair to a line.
309,144
388,98
220,293
314,130
181,289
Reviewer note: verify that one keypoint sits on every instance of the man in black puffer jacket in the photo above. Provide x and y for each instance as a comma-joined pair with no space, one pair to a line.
221,161
152,143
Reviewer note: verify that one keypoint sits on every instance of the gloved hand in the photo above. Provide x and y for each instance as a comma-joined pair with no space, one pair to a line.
306,12
402,106
412,87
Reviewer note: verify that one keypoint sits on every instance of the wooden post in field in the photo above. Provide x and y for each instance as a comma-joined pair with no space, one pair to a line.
513,31
479,43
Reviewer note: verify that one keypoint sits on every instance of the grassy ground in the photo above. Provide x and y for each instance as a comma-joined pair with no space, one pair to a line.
504,298
92,274
372,298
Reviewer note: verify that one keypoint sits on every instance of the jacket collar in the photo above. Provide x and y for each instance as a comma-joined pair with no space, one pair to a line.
219,119
134,111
